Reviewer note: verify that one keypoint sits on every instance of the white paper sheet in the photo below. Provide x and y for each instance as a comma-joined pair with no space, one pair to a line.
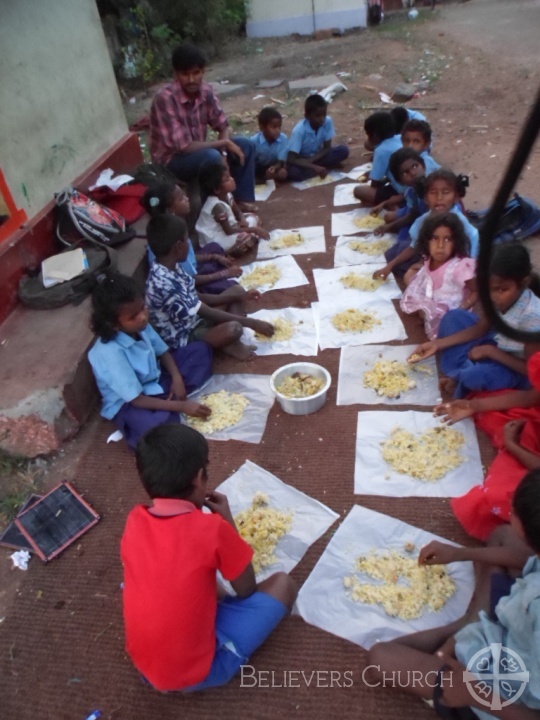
329,286
323,602
291,274
360,170
310,520
372,476
344,195
354,361
304,340
343,223
264,190
333,176
344,255
256,388
313,237
391,327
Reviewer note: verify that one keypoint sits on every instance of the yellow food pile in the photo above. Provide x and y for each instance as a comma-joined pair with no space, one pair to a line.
292,239
389,378
368,222
227,410
267,274
315,181
262,527
428,457
355,321
283,330
370,247
300,385
407,590
361,282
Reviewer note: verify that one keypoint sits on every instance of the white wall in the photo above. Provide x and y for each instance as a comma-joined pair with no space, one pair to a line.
283,17
59,103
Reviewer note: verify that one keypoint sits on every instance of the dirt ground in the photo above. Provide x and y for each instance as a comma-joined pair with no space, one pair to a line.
61,642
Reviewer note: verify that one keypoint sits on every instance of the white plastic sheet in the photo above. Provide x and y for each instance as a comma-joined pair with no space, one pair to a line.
359,170
391,327
333,176
304,340
264,190
372,476
291,274
256,388
355,361
312,236
323,602
310,520
344,195
329,286
344,255
343,223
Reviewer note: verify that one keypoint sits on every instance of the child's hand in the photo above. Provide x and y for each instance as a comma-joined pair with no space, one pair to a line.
383,273
218,503
454,411
262,327
321,171
423,351
456,692
178,389
438,553
376,209
233,272
261,233
380,229
481,352
253,294
222,260
195,409
512,432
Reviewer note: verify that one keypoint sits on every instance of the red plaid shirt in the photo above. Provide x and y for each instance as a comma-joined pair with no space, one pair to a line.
176,120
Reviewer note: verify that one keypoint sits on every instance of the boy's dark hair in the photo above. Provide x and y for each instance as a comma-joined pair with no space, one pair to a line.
458,182
419,126
158,197
400,116
111,292
314,102
526,507
164,231
513,262
268,114
399,157
379,126
185,57
169,458
462,245
211,177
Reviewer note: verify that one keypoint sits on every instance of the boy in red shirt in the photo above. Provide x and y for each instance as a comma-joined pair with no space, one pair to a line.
177,633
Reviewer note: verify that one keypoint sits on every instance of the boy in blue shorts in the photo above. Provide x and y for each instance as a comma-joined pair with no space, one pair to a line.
381,134
310,145
179,635
270,146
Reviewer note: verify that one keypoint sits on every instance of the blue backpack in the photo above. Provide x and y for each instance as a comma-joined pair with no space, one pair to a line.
521,218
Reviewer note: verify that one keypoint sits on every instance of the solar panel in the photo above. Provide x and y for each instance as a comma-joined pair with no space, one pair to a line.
12,537
55,521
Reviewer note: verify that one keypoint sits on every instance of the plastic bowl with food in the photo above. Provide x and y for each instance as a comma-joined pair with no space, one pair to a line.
309,403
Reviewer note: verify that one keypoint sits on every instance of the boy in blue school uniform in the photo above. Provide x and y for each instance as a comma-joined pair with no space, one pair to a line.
381,134
310,145
271,146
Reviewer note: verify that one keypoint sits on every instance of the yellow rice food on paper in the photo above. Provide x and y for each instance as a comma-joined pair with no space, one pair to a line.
370,247
315,181
262,527
361,282
404,589
428,456
389,378
267,274
283,330
292,239
355,321
299,385
368,222
227,410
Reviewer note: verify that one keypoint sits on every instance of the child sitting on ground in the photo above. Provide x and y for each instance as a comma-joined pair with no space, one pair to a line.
179,634
446,280
443,191
221,221
137,394
417,134
176,311
511,419
310,145
473,357
381,133
431,664
271,146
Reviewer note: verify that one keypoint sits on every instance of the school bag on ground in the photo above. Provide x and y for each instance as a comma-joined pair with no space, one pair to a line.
521,218
81,218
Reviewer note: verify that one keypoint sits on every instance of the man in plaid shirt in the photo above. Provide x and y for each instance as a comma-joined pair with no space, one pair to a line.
180,115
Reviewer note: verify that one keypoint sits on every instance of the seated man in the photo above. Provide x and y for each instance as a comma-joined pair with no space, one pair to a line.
180,115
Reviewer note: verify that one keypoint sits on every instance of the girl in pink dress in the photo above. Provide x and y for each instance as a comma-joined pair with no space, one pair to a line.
446,280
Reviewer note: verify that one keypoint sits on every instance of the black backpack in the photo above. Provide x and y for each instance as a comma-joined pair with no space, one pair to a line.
521,218
34,294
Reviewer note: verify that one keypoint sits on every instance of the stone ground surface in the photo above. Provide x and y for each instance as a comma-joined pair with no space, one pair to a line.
61,639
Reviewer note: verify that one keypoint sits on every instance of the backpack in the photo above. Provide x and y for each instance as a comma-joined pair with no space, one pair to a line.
34,294
520,219
80,218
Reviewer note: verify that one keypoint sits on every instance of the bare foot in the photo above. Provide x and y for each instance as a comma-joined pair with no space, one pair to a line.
239,351
447,387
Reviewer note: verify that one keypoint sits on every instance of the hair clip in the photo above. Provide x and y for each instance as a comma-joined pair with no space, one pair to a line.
101,278
154,202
